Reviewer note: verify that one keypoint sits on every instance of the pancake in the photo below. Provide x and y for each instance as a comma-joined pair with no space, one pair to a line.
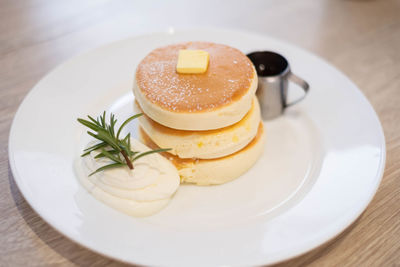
215,99
204,144
215,171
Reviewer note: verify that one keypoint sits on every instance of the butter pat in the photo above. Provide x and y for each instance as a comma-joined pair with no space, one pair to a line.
192,61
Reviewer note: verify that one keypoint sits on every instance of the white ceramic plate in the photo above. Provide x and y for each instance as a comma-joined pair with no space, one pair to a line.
322,164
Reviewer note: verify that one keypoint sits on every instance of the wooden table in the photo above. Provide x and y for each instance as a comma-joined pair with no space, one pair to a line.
361,38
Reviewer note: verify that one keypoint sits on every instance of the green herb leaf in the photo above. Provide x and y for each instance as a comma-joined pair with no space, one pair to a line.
92,148
89,124
127,121
111,147
93,120
150,152
109,166
101,155
111,156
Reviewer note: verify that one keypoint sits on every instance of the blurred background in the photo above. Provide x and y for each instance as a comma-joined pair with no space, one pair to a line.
359,37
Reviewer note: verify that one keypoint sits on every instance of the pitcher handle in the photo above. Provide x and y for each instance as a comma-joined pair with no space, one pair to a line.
300,82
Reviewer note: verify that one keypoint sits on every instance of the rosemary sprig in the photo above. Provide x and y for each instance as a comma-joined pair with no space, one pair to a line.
110,145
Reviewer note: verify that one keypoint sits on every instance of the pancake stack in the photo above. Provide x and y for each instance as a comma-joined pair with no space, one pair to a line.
211,121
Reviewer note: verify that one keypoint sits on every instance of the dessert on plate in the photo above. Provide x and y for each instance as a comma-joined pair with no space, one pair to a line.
199,100
122,172
204,144
219,97
196,107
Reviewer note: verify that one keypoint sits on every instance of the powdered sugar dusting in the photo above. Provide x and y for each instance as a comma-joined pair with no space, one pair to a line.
228,77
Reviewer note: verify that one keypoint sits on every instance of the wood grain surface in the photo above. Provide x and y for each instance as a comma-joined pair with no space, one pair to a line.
361,38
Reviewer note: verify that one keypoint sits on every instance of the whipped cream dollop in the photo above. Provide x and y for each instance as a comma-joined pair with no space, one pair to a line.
140,192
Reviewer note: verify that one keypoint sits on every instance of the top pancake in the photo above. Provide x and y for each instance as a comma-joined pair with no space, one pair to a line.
228,78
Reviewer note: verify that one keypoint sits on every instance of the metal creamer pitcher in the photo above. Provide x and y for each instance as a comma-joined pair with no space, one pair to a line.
274,74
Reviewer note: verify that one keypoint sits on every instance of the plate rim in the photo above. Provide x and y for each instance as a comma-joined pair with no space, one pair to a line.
317,243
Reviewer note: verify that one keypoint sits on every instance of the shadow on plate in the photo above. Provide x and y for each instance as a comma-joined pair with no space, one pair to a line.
83,257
